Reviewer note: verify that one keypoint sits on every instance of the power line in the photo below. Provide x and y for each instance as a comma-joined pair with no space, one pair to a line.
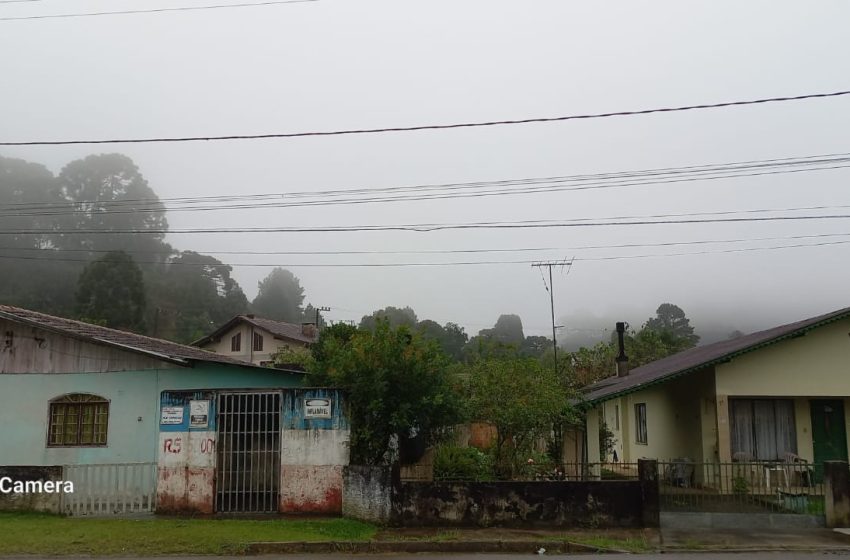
425,228
429,126
154,10
21,212
584,181
440,251
457,263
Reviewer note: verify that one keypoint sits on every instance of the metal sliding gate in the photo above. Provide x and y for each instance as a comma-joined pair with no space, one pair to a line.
248,456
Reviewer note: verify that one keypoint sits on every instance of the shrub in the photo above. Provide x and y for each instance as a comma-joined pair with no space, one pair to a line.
452,462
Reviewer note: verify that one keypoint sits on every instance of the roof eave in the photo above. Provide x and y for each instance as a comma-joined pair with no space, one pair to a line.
721,359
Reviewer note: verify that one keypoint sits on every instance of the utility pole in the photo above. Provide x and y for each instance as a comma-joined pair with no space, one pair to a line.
551,289
318,309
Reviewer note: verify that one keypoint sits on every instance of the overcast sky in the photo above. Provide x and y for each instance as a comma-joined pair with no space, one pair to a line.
337,64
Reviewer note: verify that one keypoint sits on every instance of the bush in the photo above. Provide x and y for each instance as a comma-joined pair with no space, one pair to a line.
462,463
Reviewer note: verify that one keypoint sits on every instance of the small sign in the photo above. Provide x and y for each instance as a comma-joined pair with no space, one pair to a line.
317,408
199,414
171,415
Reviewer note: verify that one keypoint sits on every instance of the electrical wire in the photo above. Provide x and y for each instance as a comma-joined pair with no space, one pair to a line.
435,251
155,10
455,263
424,228
597,180
342,132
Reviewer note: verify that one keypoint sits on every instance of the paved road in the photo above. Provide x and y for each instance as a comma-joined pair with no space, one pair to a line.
664,556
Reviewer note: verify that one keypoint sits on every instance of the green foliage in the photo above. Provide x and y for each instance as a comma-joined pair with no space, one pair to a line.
740,485
451,338
397,384
194,294
280,297
395,316
111,292
508,330
670,319
522,399
607,441
452,462
332,337
293,357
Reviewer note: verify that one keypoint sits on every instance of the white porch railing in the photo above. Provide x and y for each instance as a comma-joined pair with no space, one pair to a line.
114,489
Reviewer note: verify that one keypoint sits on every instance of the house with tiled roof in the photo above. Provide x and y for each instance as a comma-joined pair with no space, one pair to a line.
256,340
768,396
139,424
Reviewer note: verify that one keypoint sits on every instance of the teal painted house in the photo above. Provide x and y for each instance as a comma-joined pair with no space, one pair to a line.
97,406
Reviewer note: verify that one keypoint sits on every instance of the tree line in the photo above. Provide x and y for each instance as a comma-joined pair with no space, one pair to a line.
63,252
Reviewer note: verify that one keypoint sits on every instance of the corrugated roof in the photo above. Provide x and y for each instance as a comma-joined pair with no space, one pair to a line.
703,356
279,329
154,347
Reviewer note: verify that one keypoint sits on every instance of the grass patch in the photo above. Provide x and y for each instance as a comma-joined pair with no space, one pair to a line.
630,544
51,534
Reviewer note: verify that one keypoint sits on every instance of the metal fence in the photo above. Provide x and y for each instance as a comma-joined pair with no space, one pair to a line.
425,472
114,489
753,487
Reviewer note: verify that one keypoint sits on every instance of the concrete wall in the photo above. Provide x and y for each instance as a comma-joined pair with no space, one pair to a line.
525,504
49,502
313,454
271,345
133,429
375,494
367,493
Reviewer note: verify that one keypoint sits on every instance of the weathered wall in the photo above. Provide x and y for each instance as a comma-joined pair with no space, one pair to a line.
313,453
133,432
367,493
520,504
31,502
186,465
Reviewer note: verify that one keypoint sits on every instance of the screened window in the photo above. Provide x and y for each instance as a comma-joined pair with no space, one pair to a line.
78,420
763,429
236,342
258,342
640,423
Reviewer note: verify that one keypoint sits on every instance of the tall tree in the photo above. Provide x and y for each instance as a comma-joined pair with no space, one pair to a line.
397,383
280,297
195,294
31,200
671,319
111,292
508,329
109,194
395,316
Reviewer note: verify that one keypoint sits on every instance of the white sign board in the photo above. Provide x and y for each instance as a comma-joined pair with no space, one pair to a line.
171,415
317,408
199,414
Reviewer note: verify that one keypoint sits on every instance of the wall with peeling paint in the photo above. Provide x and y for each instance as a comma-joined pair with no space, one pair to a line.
313,453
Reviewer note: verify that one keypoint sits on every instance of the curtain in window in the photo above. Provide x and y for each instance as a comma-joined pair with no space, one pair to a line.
763,428
741,420
786,430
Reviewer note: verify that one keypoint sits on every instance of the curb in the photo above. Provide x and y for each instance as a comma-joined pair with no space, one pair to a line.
371,547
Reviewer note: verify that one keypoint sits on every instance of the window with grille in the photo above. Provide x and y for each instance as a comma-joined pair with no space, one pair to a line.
78,420
258,342
640,423
236,342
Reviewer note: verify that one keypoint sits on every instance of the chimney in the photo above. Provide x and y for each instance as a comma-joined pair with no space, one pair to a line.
250,315
622,359
308,329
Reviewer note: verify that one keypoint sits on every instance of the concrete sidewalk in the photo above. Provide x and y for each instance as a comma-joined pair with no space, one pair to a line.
815,539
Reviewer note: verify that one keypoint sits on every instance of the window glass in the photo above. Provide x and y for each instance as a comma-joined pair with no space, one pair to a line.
78,420
640,423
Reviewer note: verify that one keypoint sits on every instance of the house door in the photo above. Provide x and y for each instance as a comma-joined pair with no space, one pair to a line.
829,435
248,452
